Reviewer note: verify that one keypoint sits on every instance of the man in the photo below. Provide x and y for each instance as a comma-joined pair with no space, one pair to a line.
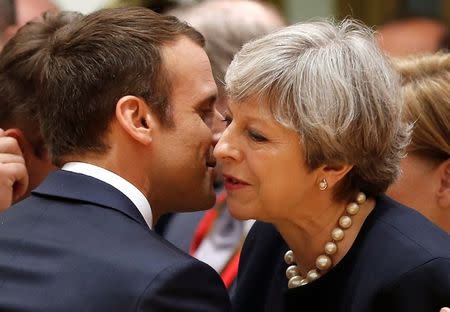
127,100
21,146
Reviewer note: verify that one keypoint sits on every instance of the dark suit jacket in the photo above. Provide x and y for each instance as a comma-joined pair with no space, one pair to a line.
399,262
78,244
181,228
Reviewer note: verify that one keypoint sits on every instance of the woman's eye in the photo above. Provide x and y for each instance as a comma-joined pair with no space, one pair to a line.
255,136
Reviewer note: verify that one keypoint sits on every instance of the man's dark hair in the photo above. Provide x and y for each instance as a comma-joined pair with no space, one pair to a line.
18,97
87,68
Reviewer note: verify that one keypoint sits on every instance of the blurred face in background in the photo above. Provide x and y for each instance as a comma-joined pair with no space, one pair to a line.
16,13
411,36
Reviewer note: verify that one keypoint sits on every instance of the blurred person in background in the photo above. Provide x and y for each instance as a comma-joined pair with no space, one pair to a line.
16,13
159,6
314,139
215,237
24,158
424,183
413,35
13,173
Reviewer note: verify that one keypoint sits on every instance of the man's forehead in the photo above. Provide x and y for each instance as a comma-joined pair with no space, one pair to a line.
188,71
177,52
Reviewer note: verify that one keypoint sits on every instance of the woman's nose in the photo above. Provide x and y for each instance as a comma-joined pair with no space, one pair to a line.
226,148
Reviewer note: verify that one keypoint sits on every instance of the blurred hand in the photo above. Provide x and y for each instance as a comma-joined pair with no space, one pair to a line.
445,310
13,173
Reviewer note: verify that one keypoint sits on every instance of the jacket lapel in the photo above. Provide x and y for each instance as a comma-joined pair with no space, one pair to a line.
80,187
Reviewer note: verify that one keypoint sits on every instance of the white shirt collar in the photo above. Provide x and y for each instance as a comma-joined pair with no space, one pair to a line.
116,181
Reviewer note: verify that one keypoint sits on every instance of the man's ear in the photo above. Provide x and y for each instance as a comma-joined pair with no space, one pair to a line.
443,193
135,118
332,174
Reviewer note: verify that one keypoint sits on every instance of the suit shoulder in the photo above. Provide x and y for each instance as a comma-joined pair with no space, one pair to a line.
185,285
423,288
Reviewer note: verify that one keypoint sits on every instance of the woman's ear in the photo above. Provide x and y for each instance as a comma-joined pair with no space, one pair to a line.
135,118
330,175
443,192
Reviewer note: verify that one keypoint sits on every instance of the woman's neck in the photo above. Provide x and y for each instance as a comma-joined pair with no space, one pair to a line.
306,236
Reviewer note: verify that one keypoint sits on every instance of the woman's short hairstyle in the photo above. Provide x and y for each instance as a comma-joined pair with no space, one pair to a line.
331,84
426,97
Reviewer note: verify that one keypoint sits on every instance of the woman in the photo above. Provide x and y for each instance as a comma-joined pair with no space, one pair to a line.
314,138
425,181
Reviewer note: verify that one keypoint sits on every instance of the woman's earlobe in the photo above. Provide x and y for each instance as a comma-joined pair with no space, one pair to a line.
334,174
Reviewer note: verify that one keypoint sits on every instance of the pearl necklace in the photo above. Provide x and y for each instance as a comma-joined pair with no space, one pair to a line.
323,262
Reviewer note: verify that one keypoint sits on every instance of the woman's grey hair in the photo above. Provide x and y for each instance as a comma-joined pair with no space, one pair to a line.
331,83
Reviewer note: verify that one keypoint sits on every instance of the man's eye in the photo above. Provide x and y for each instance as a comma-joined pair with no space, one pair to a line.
206,114
255,136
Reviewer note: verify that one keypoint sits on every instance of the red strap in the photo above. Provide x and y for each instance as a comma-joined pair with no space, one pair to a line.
205,223
231,270
202,229
221,198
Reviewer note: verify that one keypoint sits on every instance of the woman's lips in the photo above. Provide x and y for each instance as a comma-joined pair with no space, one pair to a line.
232,184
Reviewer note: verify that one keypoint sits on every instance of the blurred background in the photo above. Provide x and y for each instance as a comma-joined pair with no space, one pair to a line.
372,12
405,26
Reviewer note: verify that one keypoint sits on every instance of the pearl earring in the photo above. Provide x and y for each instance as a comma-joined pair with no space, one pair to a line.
323,184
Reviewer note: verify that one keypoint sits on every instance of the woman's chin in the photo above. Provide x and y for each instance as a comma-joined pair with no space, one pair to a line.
239,212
